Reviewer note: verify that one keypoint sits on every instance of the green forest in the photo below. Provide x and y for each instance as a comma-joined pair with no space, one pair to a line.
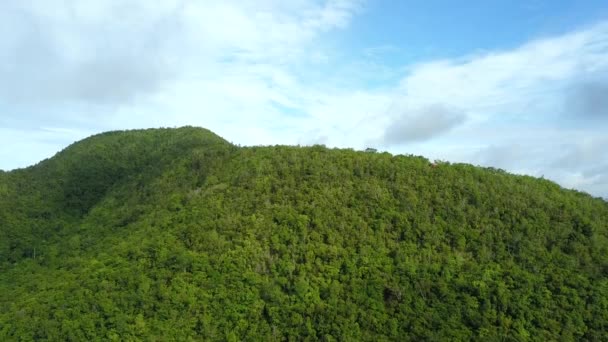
179,235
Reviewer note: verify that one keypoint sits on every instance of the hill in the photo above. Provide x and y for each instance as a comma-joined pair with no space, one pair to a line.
176,234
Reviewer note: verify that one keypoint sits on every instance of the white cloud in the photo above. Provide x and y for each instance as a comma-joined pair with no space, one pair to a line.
534,71
524,106
111,52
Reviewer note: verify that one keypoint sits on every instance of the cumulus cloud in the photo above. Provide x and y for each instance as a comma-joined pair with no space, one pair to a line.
538,71
524,107
92,66
110,52
422,124
59,53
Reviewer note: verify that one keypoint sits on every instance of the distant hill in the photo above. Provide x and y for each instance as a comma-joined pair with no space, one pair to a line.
176,234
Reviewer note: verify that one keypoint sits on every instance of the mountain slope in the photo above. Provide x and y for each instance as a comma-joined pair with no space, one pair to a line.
176,234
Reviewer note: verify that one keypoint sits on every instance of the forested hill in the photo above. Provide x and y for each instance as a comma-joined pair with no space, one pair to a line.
176,234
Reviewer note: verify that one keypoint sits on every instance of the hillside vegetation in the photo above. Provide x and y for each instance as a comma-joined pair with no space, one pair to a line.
177,235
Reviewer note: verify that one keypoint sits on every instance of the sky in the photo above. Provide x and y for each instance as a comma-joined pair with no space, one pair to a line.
517,85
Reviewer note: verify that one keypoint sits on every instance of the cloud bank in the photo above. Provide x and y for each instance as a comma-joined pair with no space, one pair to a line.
265,72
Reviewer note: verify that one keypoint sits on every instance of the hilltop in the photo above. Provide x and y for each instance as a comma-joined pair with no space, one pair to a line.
177,234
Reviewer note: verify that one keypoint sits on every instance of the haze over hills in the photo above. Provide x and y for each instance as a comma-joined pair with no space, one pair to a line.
176,234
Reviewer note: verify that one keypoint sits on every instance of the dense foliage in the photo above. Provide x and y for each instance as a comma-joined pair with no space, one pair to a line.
175,234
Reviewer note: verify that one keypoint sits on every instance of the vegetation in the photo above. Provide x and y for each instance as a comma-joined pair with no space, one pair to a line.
176,234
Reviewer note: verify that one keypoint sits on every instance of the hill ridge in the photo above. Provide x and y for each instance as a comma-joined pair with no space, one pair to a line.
178,234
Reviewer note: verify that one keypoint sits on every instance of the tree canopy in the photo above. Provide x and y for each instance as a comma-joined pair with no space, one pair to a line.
176,234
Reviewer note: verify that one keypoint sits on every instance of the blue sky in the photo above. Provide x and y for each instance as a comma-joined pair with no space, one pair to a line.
519,85
439,29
